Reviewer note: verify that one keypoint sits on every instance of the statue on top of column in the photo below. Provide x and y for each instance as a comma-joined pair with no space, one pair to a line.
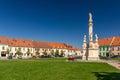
90,17
84,39
96,37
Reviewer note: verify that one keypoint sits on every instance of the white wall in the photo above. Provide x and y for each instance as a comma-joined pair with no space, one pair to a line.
5,48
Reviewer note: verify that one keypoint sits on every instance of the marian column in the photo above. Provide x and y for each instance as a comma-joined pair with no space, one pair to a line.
90,28
90,49
92,53
90,31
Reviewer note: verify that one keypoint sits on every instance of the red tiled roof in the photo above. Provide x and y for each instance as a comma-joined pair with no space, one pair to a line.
105,41
19,42
57,45
3,40
15,42
116,41
41,44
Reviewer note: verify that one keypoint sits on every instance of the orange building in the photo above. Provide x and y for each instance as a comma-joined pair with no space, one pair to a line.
115,46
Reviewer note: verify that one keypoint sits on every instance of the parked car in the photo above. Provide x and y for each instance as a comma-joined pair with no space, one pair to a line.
19,57
10,56
70,58
45,56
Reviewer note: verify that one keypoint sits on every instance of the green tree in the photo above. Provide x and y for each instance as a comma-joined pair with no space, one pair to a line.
28,51
18,51
45,52
7,51
37,51
62,53
56,53
52,52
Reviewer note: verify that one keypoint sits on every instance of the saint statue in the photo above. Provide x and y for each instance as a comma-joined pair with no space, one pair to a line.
96,37
84,38
90,17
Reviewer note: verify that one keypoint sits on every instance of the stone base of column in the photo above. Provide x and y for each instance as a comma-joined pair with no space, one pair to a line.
93,58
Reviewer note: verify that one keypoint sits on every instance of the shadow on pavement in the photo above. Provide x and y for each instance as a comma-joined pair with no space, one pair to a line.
107,75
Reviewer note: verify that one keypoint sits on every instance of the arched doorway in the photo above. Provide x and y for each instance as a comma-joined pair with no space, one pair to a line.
3,54
107,54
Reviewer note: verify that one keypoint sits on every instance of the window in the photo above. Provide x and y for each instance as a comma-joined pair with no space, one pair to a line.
10,48
3,48
99,48
107,48
15,49
112,48
118,54
23,49
118,48
103,54
19,49
112,54
103,48
100,54
48,49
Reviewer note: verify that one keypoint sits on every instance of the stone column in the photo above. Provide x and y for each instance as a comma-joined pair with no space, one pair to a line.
90,28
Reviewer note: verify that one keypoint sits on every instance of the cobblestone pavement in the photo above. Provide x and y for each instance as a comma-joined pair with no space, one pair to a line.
113,63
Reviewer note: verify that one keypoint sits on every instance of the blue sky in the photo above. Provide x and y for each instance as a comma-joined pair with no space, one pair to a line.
64,21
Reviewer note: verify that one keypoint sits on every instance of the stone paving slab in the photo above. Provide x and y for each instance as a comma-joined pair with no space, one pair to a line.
113,63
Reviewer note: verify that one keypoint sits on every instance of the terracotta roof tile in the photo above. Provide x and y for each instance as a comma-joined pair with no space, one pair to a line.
16,42
20,42
116,41
41,44
104,41
3,40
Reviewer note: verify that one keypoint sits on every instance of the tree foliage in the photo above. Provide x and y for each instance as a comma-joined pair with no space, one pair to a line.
62,53
7,51
57,53
37,51
52,52
18,51
45,52
28,51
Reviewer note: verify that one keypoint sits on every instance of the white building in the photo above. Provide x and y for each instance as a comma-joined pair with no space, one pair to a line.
31,47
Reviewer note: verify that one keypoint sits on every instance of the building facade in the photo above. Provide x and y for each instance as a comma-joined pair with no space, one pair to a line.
115,47
27,48
105,46
109,46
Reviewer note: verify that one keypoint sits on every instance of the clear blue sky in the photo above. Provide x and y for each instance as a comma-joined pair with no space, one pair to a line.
58,20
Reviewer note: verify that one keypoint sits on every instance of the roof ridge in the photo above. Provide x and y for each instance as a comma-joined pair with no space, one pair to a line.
112,41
